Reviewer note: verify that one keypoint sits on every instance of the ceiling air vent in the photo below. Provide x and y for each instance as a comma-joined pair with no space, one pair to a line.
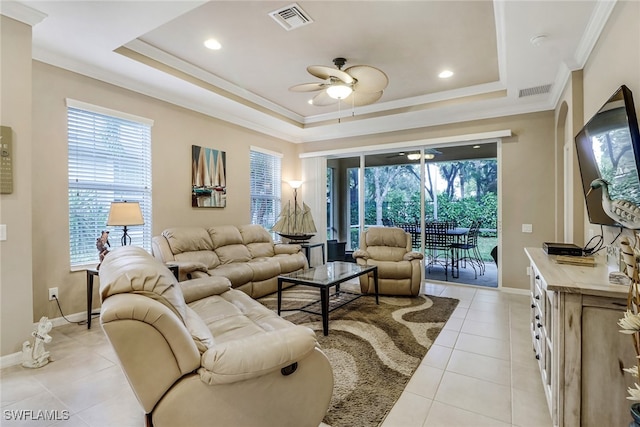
291,17
538,90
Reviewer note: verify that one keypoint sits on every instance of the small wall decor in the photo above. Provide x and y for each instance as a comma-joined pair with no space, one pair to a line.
208,178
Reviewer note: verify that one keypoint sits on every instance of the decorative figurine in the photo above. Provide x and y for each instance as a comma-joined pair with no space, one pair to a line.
103,245
35,356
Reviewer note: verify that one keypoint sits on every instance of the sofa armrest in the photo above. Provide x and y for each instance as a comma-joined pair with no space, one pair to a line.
197,289
256,355
359,253
161,250
186,269
410,256
286,248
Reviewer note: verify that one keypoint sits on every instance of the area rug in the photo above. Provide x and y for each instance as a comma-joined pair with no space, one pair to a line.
373,349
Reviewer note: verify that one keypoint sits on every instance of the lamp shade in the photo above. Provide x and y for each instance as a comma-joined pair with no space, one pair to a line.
125,213
295,184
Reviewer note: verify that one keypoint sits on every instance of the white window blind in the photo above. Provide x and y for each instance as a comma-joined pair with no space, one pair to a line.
266,187
109,160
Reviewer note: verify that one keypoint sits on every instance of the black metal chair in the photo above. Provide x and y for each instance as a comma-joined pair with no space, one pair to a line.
469,250
414,230
437,244
336,250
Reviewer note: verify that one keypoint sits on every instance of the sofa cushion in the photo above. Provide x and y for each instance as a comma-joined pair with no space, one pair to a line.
188,239
258,240
223,235
291,263
207,258
254,233
130,269
238,273
260,250
264,269
233,254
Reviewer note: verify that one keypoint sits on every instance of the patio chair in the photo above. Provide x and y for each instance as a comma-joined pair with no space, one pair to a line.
469,251
437,245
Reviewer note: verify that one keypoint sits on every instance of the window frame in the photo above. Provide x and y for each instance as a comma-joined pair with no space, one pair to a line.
98,174
275,197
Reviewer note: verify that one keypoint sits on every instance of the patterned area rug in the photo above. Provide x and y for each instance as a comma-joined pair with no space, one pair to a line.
373,349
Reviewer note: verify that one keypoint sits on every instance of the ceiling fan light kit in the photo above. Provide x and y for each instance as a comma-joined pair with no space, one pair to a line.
339,91
357,85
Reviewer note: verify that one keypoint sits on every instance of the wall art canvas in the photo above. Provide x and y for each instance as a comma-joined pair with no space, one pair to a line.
208,177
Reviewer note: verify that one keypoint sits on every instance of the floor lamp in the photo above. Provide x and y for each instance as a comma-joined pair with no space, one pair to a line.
125,214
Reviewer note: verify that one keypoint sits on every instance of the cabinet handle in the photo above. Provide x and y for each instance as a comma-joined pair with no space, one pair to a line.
537,317
537,297
538,356
537,277
537,337
539,325
533,306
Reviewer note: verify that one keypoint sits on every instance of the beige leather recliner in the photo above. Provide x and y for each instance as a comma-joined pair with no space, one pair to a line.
399,269
198,353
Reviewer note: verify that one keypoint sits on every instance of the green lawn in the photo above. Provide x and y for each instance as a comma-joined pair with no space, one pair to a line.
485,244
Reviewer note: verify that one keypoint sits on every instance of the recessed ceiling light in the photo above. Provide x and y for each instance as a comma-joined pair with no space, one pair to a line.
445,74
212,44
476,146
538,40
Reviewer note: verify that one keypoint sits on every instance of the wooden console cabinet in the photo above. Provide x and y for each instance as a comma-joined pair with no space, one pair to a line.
577,343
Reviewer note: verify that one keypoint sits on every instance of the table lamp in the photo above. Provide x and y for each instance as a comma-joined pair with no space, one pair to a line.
125,214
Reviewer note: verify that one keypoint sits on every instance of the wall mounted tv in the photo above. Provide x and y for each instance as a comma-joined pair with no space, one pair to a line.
608,147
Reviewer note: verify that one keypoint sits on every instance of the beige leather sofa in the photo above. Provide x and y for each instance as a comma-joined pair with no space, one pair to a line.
246,255
399,269
198,353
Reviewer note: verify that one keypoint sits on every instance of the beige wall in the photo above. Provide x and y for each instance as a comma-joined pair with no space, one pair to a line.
527,187
614,61
174,131
16,315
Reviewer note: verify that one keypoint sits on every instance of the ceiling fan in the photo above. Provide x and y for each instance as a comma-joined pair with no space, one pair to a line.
357,85
429,153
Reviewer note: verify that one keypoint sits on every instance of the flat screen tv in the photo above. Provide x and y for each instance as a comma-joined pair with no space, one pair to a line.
608,147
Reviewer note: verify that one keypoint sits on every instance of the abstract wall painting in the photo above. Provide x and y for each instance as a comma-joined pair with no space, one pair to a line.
208,177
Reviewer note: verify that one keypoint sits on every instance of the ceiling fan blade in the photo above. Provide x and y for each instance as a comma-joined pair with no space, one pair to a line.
322,72
307,87
358,98
370,79
322,99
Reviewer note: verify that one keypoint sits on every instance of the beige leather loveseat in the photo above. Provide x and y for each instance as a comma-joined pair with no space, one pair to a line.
198,353
246,255
399,268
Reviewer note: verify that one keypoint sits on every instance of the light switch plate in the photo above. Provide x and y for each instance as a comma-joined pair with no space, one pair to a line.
527,228
3,232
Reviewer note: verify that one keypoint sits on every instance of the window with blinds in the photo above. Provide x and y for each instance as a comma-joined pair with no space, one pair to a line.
266,187
109,160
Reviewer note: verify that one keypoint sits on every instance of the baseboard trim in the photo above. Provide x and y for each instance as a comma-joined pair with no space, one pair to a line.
16,358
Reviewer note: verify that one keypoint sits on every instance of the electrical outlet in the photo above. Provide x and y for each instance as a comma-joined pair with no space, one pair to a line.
53,293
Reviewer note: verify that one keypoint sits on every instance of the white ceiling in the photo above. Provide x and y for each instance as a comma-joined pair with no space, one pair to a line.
156,48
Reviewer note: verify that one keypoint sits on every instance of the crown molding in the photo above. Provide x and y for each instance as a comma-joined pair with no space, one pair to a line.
21,12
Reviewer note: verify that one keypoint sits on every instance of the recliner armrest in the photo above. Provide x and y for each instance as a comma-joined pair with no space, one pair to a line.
361,254
286,248
409,256
256,355
196,289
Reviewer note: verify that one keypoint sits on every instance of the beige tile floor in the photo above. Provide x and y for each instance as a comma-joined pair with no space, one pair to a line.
479,372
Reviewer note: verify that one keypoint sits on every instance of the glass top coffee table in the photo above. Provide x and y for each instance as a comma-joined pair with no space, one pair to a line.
325,277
